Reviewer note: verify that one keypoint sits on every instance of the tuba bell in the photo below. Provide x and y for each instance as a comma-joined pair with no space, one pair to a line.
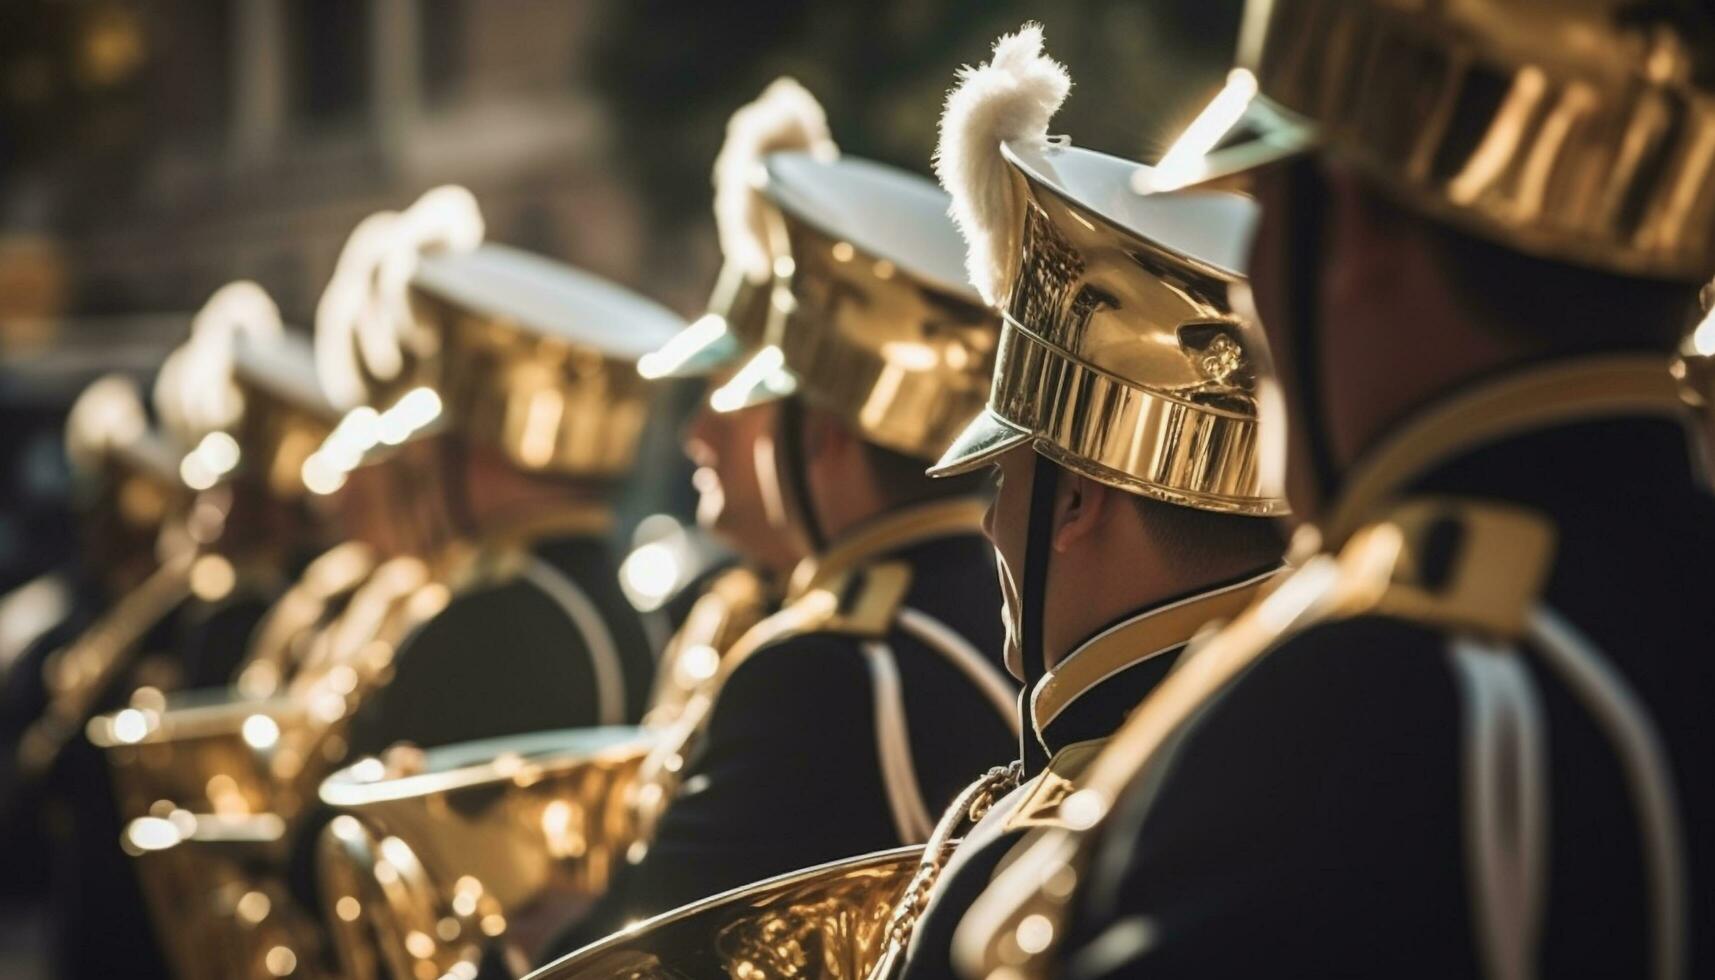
830,922
435,853
843,920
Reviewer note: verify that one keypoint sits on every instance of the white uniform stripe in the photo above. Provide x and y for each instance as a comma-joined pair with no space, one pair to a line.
1626,722
1505,796
893,747
604,652
936,635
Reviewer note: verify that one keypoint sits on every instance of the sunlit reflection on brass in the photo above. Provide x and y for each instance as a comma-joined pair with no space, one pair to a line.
1583,132
480,831
549,401
826,922
903,357
440,848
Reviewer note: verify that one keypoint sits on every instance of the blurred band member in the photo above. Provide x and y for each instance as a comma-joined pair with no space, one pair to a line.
848,719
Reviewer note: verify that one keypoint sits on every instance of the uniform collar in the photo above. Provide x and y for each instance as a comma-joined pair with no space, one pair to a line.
893,531
1521,401
1116,657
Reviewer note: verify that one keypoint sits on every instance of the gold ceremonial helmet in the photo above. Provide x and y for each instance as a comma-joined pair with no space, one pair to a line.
871,316
287,416
540,359
1582,132
1122,357
370,350
130,470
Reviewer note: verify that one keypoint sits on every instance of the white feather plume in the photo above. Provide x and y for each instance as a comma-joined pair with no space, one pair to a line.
194,393
1013,97
365,311
785,117
108,413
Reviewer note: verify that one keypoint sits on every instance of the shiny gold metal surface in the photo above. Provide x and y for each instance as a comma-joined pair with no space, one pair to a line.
218,910
899,346
286,414
828,922
240,772
79,676
219,752
540,360
734,325
283,637
1122,357
432,856
1583,132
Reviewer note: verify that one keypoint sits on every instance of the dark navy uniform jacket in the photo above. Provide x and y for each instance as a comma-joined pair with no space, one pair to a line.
551,644
1396,794
1073,709
847,732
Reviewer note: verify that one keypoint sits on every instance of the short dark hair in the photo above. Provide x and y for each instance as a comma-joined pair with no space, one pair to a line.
1189,537
1564,307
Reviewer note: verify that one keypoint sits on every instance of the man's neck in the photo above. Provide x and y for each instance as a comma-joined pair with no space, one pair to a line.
1110,598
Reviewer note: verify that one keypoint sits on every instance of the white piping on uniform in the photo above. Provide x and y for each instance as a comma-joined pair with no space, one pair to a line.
1506,773
893,746
939,636
604,652
1626,722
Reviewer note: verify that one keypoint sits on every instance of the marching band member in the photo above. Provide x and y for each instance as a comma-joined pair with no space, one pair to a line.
844,721
1124,425
1466,736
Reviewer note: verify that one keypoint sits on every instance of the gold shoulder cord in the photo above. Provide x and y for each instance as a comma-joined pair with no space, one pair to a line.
1503,556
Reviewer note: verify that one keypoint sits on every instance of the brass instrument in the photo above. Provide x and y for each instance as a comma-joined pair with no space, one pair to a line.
831,921
845,919
250,767
429,860
433,856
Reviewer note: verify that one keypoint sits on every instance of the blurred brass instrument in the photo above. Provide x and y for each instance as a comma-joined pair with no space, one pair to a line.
436,854
831,921
838,921
249,768
434,851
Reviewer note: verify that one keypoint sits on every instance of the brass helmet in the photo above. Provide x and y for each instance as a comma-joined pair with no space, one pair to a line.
118,463
369,349
1123,355
1579,132
196,395
287,415
539,359
784,117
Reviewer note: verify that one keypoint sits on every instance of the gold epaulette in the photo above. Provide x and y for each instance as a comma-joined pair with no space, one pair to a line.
1063,776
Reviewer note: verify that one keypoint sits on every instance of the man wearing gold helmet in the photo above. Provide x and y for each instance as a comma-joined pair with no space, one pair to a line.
1123,422
1467,735
845,721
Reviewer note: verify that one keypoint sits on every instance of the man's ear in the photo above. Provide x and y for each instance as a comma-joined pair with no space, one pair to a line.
1080,507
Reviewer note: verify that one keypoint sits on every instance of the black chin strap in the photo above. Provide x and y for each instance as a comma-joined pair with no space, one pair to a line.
792,477
1038,552
1303,262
